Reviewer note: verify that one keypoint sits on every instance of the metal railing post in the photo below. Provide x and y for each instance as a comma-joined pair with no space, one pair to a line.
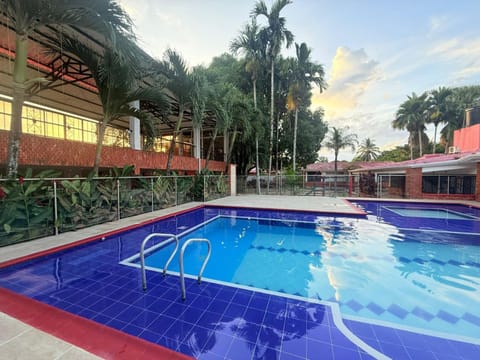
118,199
204,187
151,189
55,206
176,191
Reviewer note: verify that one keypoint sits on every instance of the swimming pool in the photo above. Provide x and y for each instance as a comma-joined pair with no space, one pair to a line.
217,321
381,269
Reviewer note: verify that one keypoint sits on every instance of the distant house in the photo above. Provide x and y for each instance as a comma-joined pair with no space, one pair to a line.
454,176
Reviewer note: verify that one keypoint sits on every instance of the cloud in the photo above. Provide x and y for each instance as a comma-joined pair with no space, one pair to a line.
351,74
437,23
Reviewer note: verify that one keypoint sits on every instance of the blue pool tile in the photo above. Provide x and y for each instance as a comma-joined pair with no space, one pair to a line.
259,301
338,339
419,261
145,318
454,262
132,329
240,349
354,305
413,340
465,350
452,319
226,294
277,305
254,315
262,351
422,314
375,308
344,353
235,310
288,356
404,260
217,306
398,311
174,310
161,324
178,330
209,319
220,344
150,336
421,354
386,335
395,351
209,356
471,319
361,329
439,262
191,315
319,350
295,345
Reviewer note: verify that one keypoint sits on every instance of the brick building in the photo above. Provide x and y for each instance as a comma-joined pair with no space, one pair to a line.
451,176
60,122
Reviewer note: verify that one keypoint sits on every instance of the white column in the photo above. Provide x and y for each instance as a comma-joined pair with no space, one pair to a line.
134,126
197,148
233,179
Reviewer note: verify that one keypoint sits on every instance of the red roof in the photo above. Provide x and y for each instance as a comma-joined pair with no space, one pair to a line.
424,160
345,165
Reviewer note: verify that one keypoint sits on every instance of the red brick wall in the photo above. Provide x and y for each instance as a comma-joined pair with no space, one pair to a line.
42,151
413,183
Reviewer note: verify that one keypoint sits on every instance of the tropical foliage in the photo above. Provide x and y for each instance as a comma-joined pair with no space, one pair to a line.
367,151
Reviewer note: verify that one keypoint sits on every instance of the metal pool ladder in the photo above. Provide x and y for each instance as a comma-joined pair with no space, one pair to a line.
171,237
182,251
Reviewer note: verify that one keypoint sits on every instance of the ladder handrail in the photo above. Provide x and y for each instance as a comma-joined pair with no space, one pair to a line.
164,242
184,246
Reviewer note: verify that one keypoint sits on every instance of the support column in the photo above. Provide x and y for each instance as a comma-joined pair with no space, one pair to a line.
197,148
413,183
232,172
134,127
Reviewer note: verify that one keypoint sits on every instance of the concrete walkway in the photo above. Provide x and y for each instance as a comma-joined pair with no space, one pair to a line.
23,342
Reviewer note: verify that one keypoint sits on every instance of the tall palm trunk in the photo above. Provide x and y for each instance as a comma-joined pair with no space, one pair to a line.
98,152
270,147
257,157
335,174
210,148
174,139
420,143
295,141
435,138
19,76
410,142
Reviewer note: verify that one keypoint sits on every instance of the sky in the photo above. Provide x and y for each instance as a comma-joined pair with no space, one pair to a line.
375,52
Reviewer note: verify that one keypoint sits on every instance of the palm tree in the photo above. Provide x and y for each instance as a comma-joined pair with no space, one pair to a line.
339,139
412,116
304,73
115,81
275,34
438,108
368,151
181,84
102,16
250,43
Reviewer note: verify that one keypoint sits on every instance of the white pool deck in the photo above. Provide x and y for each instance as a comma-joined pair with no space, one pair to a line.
23,342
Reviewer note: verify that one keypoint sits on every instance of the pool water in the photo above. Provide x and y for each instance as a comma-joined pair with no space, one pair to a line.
430,213
375,268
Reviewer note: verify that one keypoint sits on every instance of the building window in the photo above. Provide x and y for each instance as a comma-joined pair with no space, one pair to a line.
42,122
449,184
5,111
